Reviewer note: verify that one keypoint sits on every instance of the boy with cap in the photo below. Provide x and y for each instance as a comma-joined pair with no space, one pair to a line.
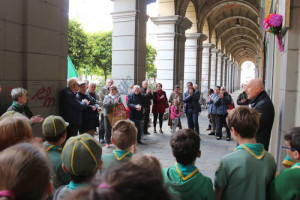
81,159
55,132
184,178
247,172
124,138
286,184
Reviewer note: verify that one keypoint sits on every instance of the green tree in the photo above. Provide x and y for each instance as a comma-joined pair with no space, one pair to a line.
150,59
77,44
100,53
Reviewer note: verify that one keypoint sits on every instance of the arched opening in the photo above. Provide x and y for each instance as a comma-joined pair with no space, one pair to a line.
248,72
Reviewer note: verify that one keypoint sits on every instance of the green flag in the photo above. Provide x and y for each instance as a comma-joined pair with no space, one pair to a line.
71,69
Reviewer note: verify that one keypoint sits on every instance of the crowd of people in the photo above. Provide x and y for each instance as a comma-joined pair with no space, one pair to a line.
68,162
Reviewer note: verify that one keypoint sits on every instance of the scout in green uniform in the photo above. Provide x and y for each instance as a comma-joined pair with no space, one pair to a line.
287,162
247,172
81,158
184,179
286,185
124,138
54,130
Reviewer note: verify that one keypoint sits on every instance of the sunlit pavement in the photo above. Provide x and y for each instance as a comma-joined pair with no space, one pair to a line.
212,150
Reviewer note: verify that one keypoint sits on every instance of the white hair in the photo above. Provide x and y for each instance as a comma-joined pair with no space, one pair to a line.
135,87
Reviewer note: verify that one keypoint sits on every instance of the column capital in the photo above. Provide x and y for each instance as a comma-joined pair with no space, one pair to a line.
165,19
208,45
216,51
193,35
220,54
225,58
185,22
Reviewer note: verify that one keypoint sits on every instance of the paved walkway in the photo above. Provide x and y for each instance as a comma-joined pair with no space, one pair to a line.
212,150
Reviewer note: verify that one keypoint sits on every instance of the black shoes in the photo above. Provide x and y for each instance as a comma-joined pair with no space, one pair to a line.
228,139
160,131
211,133
219,138
146,133
140,142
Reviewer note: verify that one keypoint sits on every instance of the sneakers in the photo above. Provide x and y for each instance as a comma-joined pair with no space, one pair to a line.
211,133
228,139
219,138
107,145
102,141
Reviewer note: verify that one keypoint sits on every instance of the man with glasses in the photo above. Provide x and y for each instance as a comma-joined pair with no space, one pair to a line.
286,185
192,107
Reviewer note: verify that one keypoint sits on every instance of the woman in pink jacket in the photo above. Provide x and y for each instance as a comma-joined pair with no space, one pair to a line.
175,114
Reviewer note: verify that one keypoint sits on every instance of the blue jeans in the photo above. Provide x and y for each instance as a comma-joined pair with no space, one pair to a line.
139,125
192,118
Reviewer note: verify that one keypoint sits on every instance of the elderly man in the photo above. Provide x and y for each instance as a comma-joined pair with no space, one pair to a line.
136,104
102,93
192,106
90,113
147,103
71,107
262,103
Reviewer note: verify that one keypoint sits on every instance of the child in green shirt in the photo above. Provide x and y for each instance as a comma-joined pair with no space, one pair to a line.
123,136
184,179
247,172
286,185
55,132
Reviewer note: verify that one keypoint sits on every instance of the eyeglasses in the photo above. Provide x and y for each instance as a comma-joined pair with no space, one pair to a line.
293,149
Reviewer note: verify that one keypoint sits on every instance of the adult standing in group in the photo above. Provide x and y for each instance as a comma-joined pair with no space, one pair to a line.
71,107
212,109
95,95
20,97
192,106
176,94
261,102
159,106
90,113
222,101
136,104
147,103
243,99
102,93
110,101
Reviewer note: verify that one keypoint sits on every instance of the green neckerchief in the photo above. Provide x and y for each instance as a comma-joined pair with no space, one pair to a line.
256,150
296,165
74,186
120,154
15,104
51,147
186,171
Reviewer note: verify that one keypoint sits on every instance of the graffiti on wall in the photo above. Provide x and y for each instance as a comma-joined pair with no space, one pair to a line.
44,95
124,85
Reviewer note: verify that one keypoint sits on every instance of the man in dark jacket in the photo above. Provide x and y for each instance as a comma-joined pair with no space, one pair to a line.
262,103
243,99
71,108
192,107
147,103
90,113
136,104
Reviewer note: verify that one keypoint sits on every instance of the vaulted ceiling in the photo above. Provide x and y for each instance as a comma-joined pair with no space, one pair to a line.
232,25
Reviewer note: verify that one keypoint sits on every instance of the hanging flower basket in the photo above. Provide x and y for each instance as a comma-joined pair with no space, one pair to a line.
272,24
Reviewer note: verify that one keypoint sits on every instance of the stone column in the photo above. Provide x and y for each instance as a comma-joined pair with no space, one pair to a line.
170,50
220,69
129,43
202,38
206,63
257,67
224,80
228,73
213,67
190,61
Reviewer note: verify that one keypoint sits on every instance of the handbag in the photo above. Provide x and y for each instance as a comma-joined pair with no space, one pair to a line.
166,104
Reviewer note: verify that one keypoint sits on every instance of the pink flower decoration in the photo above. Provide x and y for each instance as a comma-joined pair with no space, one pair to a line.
276,20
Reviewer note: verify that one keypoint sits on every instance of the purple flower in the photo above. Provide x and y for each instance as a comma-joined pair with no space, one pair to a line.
276,20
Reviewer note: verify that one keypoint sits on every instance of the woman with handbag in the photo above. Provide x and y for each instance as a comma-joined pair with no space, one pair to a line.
160,103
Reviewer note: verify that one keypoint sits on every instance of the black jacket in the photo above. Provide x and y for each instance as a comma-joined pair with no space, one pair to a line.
243,95
147,97
89,116
263,104
134,100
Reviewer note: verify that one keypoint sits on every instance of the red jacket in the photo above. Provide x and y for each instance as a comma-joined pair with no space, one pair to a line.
158,103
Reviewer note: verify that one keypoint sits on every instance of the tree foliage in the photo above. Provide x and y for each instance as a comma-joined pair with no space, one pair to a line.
77,44
150,59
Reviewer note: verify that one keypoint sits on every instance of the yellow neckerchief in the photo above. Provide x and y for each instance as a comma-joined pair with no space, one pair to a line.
185,177
51,146
253,154
296,165
120,158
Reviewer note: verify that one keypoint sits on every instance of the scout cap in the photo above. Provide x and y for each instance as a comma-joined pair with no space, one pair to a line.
12,113
54,126
82,155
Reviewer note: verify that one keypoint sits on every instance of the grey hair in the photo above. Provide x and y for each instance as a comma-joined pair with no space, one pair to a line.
109,79
136,86
17,92
72,81
145,81
93,83
223,87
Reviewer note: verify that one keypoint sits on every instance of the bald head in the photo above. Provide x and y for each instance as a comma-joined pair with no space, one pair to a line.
254,88
73,84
